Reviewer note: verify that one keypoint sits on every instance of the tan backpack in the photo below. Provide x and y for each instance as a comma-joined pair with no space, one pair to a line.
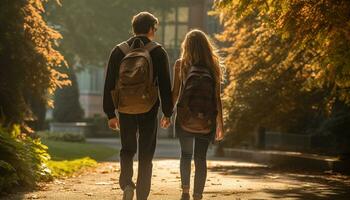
135,91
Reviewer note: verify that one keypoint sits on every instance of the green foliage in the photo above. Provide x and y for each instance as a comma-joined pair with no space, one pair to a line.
338,125
28,59
61,136
100,127
67,107
8,178
69,167
91,28
59,150
22,159
288,63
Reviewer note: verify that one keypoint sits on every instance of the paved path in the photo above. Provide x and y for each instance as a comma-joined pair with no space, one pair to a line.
227,180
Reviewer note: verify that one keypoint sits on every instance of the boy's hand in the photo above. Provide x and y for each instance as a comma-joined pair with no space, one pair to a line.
165,122
113,123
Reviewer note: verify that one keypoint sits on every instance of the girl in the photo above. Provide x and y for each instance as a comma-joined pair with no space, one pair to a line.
198,53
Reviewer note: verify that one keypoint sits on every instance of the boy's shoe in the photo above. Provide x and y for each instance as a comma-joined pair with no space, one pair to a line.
197,196
128,193
185,196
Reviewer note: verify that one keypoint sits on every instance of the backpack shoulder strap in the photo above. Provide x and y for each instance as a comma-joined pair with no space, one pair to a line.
151,45
124,47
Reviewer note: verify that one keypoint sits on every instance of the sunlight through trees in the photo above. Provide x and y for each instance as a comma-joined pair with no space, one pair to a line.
289,65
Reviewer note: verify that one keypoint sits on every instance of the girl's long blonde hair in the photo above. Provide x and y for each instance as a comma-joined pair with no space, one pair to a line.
197,49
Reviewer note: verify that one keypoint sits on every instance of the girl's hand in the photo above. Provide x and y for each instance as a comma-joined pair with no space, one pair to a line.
165,122
219,135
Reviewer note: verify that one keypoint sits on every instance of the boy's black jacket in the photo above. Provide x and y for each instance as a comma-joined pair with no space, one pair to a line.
161,74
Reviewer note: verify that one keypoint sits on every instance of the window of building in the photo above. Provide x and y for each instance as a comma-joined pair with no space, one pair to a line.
213,25
91,80
183,14
172,29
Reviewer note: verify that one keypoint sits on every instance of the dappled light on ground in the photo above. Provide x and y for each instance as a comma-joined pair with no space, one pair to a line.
226,180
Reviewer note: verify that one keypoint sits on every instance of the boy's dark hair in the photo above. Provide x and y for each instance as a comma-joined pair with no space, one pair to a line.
142,22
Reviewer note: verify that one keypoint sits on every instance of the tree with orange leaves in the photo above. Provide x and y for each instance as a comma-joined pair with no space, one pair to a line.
289,65
28,60
28,76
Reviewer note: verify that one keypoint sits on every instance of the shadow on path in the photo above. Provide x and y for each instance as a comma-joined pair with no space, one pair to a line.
298,185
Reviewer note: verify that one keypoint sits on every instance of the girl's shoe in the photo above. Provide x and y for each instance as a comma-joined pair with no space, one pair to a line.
185,196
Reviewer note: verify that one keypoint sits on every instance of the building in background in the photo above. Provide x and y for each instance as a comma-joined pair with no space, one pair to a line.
91,82
185,16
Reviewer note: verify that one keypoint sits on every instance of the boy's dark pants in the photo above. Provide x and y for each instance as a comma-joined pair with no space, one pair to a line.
146,126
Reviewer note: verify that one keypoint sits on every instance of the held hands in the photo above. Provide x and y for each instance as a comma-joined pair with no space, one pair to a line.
113,123
165,122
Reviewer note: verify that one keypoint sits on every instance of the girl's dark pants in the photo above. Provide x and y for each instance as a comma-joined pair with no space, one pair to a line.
197,147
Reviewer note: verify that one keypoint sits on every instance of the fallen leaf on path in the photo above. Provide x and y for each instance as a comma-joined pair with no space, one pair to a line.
44,188
272,177
59,182
34,196
157,193
89,194
104,183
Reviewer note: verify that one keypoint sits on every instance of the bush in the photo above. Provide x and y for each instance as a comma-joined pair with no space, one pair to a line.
100,127
22,159
68,167
8,175
62,136
67,107
338,126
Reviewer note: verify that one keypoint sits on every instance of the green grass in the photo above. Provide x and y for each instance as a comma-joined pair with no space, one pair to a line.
60,150
68,158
